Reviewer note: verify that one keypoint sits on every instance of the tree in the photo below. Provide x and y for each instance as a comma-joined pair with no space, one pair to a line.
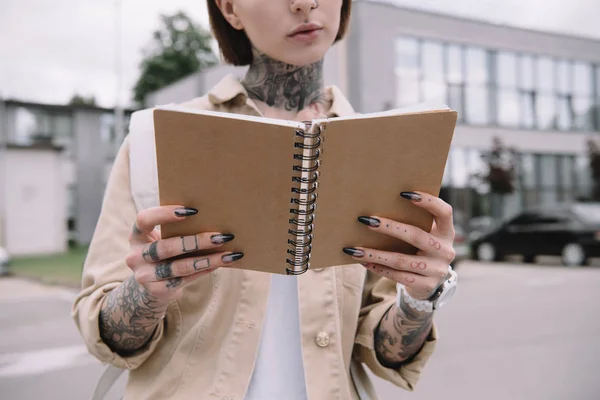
78,100
500,175
594,156
179,48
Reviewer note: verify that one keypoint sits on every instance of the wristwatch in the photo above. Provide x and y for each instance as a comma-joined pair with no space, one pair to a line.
441,295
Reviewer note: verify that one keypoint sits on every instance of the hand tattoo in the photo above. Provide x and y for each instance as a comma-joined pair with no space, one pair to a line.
136,230
400,334
435,244
164,271
189,247
128,317
151,253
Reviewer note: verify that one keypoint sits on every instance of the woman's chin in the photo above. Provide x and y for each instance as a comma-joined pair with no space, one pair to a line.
302,57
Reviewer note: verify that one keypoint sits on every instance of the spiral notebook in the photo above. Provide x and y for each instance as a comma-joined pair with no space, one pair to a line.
291,191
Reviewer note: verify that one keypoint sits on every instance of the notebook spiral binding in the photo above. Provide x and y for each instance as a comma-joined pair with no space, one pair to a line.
302,213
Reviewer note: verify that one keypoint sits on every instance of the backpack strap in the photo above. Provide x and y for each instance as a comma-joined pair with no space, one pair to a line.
142,160
106,382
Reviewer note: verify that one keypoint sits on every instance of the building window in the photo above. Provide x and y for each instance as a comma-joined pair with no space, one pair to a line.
477,90
508,104
583,92
407,71
433,84
455,77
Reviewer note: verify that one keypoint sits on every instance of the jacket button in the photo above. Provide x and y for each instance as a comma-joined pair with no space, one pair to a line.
323,339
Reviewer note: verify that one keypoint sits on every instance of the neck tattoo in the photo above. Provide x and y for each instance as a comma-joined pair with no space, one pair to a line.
282,85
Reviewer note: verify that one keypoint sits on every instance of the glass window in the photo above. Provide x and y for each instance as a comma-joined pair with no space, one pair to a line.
509,109
582,78
506,64
459,169
565,112
566,171
433,86
62,126
528,170
526,72
583,173
583,113
477,69
598,81
455,99
455,64
407,54
565,75
407,71
528,109
545,75
476,111
545,112
433,60
476,164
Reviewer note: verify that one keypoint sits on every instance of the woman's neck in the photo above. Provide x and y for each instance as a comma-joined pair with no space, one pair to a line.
285,87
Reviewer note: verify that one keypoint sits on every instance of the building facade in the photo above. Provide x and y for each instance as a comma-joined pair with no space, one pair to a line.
86,138
538,92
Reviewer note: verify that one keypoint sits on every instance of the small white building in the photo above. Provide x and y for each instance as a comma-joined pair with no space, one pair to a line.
34,196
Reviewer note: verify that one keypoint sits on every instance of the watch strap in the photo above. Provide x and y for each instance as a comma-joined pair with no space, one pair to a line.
419,305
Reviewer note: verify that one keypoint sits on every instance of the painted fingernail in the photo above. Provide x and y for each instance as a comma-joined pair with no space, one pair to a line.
185,211
229,258
374,222
353,252
221,238
411,196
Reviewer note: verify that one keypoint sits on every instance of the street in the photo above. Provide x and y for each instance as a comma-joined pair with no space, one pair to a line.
512,332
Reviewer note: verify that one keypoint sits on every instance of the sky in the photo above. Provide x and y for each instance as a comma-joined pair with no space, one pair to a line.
52,49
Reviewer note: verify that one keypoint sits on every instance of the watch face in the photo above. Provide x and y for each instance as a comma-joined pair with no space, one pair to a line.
446,296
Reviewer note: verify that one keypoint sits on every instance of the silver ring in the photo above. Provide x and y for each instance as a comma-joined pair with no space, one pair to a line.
316,4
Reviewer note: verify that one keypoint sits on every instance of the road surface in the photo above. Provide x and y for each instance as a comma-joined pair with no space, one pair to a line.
511,332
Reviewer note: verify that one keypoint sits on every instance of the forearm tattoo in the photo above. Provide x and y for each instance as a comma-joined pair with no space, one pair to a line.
401,334
129,317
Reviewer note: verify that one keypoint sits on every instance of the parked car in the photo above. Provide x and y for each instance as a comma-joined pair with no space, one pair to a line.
571,231
4,261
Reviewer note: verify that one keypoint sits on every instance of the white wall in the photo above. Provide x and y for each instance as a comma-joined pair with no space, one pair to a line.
35,220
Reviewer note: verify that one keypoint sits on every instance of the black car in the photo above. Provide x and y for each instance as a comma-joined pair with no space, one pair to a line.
571,231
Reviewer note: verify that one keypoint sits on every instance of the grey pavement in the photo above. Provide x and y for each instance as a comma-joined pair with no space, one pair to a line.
511,332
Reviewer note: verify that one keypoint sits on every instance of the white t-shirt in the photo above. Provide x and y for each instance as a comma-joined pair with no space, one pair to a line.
279,372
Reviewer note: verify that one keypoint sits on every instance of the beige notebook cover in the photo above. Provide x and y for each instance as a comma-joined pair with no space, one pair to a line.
249,176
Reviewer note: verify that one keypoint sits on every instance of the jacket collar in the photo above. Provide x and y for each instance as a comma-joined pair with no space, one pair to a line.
229,89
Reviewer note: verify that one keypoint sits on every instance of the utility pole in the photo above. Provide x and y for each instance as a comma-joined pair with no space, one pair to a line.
119,128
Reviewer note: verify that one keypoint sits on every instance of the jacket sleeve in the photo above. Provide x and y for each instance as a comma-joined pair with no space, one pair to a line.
105,269
379,296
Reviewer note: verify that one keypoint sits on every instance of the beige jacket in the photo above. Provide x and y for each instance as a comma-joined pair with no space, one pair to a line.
206,346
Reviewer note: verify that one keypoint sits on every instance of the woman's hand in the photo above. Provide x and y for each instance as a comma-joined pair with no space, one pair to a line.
422,273
151,259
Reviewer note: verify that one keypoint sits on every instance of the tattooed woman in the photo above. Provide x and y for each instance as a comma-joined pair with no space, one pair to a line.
198,328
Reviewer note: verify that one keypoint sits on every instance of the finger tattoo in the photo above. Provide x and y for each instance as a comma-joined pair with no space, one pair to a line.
410,279
189,247
151,253
201,264
418,265
435,244
136,230
164,271
174,282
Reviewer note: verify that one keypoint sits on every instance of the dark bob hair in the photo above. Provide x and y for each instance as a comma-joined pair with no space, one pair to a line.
235,45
